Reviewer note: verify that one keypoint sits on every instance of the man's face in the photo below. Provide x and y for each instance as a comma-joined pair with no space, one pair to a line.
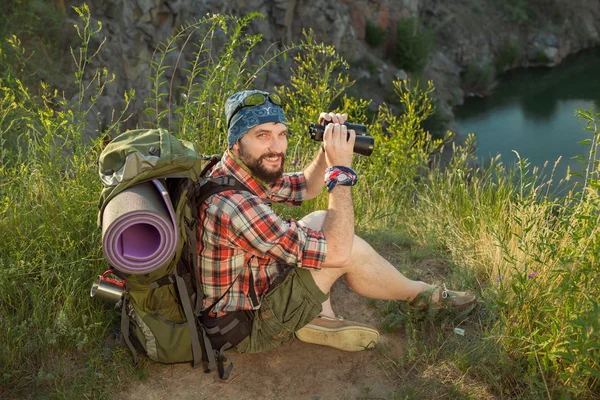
263,149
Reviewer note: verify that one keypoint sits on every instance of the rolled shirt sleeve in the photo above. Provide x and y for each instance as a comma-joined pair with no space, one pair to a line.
290,189
255,228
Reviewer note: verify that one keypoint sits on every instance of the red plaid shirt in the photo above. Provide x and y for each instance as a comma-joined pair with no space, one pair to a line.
239,230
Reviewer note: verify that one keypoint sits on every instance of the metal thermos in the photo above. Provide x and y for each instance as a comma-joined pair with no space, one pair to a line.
107,289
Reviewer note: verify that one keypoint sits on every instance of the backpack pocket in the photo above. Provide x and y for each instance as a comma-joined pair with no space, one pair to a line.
229,330
163,340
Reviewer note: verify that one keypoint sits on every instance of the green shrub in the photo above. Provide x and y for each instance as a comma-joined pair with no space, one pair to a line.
437,122
413,45
541,250
541,57
374,35
516,10
38,24
478,78
507,56
537,250
51,251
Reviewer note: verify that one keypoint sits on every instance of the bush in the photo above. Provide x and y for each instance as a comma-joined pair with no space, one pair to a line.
542,251
437,122
507,56
413,45
479,78
38,24
542,58
374,35
51,251
539,252
516,10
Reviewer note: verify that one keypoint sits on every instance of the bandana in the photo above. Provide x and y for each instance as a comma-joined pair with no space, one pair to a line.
249,117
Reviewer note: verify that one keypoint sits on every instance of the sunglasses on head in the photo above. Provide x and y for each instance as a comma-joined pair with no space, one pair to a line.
256,99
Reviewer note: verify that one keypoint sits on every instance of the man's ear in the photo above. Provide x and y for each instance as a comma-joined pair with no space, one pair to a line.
235,148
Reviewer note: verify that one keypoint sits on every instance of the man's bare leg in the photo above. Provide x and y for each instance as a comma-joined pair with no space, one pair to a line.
369,274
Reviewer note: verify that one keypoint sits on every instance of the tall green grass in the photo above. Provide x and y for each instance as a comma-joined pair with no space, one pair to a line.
51,332
534,255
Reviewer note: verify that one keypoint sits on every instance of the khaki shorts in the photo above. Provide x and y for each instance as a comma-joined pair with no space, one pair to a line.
285,308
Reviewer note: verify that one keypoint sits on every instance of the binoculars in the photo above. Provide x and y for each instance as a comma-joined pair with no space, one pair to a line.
363,145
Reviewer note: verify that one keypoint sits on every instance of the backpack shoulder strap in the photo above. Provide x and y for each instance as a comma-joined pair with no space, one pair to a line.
219,184
196,196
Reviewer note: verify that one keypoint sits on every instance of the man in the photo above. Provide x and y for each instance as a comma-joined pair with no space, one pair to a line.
251,259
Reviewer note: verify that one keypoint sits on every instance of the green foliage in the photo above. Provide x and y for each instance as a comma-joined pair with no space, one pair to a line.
38,24
478,78
539,253
516,10
534,11
502,225
48,194
218,69
437,122
507,56
50,252
374,34
541,57
413,45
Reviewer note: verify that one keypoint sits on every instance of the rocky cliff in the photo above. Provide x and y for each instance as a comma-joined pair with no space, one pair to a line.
465,33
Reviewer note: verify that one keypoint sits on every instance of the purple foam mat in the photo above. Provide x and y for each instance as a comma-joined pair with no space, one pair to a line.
139,231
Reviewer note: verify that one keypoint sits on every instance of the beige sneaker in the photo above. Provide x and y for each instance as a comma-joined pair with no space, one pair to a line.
458,300
338,333
447,299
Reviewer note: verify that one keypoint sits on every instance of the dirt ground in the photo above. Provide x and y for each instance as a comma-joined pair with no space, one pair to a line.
294,370
297,370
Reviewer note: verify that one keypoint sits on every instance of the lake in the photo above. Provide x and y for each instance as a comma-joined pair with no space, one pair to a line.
532,111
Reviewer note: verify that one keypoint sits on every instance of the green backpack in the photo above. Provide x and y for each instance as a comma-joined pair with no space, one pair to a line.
160,309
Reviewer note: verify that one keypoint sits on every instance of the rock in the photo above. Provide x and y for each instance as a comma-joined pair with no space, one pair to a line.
363,74
401,75
546,40
358,21
551,53
146,5
381,78
464,33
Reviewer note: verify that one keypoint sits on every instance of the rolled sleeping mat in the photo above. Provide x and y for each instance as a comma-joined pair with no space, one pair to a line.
139,231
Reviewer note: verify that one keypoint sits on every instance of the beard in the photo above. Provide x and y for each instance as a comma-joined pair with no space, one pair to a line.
255,165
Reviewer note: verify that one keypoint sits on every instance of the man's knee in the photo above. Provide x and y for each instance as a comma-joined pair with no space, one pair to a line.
314,220
360,248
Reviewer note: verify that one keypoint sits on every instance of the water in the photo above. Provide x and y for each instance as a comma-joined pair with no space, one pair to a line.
532,111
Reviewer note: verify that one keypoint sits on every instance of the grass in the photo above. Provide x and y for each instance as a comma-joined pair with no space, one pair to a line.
436,361
532,255
479,78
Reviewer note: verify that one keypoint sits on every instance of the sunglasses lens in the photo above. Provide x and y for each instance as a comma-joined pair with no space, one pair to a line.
275,99
255,99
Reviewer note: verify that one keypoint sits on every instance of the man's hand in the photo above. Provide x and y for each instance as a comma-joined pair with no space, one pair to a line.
338,141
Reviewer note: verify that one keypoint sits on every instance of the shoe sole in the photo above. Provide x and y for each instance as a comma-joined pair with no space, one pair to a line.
346,339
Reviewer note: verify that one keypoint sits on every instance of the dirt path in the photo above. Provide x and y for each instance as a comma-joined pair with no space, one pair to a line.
295,370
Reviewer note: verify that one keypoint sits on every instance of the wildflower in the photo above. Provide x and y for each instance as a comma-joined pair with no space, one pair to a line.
295,162
532,275
499,279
